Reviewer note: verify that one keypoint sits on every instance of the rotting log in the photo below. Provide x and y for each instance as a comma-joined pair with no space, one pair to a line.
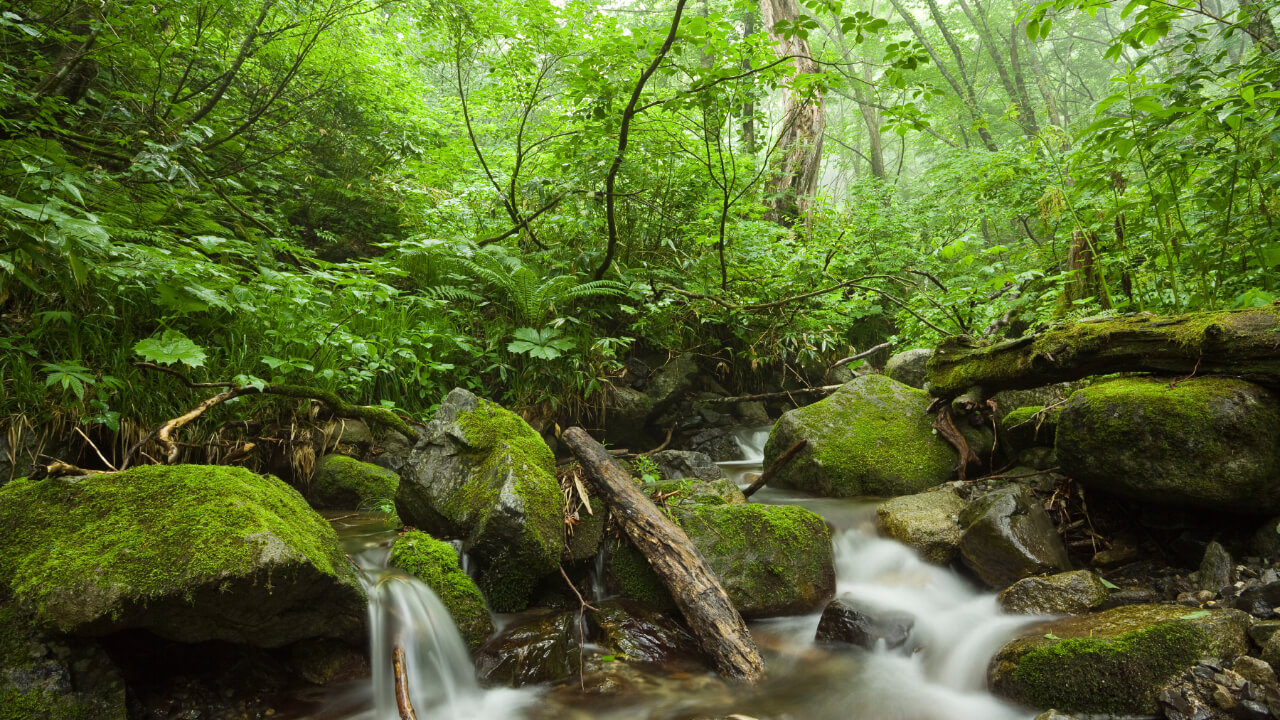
403,703
780,395
697,593
1243,343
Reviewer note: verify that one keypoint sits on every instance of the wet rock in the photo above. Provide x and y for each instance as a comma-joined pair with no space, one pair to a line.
44,676
189,552
1008,536
681,464
1213,692
679,491
626,417
1256,671
1116,661
751,413
480,474
770,559
392,452
1262,631
1124,549
1065,593
718,444
1132,596
1207,443
1215,569
583,539
348,431
929,522
871,437
1258,600
436,564
851,623
327,662
538,648
640,634
908,367
342,482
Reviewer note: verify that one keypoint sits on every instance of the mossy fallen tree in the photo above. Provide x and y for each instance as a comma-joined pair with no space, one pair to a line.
1243,343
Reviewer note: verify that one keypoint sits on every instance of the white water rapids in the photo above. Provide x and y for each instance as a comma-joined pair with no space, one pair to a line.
957,630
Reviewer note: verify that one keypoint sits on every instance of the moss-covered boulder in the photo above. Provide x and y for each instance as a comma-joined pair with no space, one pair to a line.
479,473
1030,426
343,482
1205,443
189,552
929,522
436,563
770,559
1008,536
908,367
44,676
1065,593
1116,661
871,437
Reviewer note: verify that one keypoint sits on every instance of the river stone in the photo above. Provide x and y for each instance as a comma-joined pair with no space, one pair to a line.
1206,443
851,623
435,563
671,382
189,552
1069,593
637,633
908,367
873,436
1215,569
626,417
681,464
343,482
1116,661
44,676
1008,536
928,522
770,559
480,474
536,649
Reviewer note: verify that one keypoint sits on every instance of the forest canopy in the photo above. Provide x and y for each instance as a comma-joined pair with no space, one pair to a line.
386,200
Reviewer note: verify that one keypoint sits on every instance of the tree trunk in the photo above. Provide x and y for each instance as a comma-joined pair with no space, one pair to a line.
748,106
871,116
1260,26
795,175
713,619
1244,343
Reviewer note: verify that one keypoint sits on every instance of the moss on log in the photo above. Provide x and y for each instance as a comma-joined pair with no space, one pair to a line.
1244,343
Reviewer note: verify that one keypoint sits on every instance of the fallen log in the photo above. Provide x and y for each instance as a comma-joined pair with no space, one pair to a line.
697,593
1243,343
781,395
403,703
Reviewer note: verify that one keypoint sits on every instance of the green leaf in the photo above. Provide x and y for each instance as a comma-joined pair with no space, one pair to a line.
1195,615
171,347
1108,584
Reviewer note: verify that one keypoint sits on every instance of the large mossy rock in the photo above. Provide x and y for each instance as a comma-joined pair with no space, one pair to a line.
1073,592
1205,443
928,522
770,559
873,436
189,552
343,482
480,474
1008,536
908,367
47,677
1114,662
435,563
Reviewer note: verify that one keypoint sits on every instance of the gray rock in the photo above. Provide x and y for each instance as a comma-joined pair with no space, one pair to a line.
680,464
1030,426
480,474
871,437
1008,536
327,662
671,382
1266,541
348,431
929,522
717,444
1260,633
393,451
1258,600
1207,443
1215,569
1040,458
751,413
537,649
1069,593
851,623
343,482
626,417
908,367
1009,400
636,633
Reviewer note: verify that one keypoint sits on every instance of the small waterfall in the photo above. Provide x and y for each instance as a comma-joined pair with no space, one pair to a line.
405,613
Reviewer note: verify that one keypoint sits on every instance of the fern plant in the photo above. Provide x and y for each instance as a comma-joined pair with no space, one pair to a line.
531,294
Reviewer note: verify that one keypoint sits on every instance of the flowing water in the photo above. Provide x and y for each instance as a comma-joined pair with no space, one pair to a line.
957,630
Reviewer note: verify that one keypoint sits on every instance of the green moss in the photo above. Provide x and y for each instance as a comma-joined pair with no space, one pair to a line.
1017,416
70,547
1119,675
436,563
634,577
501,441
40,705
341,481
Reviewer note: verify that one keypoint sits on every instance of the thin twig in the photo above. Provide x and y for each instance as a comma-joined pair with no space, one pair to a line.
862,354
101,457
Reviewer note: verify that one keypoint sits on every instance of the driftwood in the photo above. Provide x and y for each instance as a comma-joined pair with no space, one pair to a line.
774,467
863,354
403,703
783,395
697,592
1243,343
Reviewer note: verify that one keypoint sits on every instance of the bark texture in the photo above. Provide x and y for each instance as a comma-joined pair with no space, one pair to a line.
799,148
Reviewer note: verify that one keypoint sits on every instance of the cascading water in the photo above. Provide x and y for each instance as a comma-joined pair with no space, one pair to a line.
441,682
